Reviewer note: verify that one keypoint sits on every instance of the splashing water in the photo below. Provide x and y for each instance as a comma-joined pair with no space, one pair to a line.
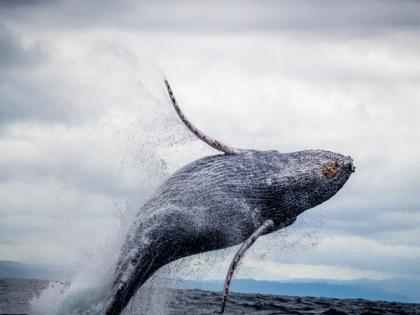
141,149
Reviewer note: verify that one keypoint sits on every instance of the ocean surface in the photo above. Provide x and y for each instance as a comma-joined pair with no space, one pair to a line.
15,295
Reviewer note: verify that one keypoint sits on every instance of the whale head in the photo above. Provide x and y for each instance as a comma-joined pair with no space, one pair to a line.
294,182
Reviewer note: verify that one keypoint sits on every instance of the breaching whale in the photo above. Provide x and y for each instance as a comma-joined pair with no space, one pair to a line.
220,201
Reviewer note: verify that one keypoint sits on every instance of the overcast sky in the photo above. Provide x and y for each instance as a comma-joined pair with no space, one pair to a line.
87,131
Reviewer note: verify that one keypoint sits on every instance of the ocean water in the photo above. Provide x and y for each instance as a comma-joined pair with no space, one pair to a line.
15,295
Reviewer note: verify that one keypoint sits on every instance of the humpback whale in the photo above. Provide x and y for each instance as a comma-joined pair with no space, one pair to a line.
220,201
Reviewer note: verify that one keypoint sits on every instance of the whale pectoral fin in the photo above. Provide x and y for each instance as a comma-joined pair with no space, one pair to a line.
239,254
217,144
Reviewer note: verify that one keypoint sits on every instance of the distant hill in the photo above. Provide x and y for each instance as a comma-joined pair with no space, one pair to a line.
385,290
364,289
13,269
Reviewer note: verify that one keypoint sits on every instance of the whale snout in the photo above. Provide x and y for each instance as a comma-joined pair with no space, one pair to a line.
348,164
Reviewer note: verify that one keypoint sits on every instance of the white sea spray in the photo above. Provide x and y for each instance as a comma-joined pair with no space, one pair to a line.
143,135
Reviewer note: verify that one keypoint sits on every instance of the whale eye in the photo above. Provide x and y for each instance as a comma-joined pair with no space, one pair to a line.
330,169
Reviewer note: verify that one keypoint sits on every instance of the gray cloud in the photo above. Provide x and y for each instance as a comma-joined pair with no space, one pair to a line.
11,3
355,18
86,126
22,96
32,87
13,53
